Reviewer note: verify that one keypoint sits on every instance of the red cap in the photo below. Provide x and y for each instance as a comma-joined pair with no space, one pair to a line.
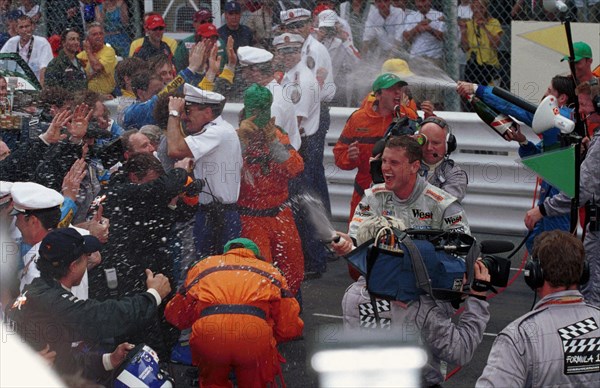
320,8
203,15
154,21
207,30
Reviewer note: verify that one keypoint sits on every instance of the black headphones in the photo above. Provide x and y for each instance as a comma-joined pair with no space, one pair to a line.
534,275
450,138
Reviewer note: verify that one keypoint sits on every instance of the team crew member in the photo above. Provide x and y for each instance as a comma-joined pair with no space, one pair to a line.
363,129
48,315
406,195
555,343
269,163
215,147
225,296
437,167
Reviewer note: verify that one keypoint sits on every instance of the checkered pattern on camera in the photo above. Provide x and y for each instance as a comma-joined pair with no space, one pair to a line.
367,315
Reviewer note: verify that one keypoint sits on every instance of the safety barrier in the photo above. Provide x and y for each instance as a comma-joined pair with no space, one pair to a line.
500,189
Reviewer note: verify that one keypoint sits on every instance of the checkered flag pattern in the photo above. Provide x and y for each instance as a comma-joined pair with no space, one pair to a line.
582,345
578,329
367,315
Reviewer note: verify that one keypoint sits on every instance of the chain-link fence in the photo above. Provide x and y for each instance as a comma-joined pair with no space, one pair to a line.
473,43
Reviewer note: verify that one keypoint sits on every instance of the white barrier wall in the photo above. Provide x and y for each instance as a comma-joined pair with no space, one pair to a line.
500,190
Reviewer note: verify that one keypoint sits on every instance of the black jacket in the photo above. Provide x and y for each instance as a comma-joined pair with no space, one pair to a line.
62,72
54,316
140,227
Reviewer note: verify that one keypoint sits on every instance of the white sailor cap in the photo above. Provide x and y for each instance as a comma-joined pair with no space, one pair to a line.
29,196
327,18
200,96
288,40
248,56
294,15
5,192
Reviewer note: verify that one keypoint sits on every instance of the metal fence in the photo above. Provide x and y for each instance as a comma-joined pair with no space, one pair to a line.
500,189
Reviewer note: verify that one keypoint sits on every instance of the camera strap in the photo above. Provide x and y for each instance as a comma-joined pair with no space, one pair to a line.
419,269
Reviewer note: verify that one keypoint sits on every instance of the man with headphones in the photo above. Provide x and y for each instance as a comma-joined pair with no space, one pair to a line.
588,94
557,342
437,167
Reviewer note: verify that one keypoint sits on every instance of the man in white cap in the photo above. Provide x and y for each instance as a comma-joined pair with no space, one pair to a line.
215,147
257,67
302,88
37,211
317,59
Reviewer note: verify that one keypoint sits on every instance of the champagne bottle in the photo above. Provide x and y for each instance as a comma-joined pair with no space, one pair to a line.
499,122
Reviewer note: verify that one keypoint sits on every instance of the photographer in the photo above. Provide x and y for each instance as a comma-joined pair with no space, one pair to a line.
554,344
426,319
344,56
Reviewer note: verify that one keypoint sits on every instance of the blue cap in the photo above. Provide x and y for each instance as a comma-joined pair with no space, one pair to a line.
233,6
14,14
63,246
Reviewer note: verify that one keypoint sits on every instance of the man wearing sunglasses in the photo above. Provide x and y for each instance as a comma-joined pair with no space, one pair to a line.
153,44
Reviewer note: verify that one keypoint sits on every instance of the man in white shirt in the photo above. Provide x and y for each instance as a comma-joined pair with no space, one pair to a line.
382,27
35,50
424,30
215,147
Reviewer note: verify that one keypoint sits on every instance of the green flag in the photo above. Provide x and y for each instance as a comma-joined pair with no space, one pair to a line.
556,168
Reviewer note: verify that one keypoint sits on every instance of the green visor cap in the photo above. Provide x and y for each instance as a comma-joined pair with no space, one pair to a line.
580,50
247,243
257,102
386,81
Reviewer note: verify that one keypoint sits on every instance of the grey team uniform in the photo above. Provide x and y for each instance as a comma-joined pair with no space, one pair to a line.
427,207
564,335
561,204
447,341
447,176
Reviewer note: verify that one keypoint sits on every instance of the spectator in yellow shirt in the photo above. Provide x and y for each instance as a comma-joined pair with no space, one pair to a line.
99,59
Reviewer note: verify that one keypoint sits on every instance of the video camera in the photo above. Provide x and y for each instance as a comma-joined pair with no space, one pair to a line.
402,265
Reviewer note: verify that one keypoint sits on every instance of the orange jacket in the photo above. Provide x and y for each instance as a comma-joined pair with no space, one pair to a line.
265,182
236,278
366,127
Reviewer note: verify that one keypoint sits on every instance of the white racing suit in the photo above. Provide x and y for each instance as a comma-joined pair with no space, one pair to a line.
555,344
428,207
425,320
589,188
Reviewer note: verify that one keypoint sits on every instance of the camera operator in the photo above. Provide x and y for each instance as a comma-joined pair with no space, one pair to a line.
426,316
554,344
588,94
